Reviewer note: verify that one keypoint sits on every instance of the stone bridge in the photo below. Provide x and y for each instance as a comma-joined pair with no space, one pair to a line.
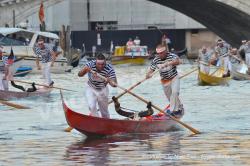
229,19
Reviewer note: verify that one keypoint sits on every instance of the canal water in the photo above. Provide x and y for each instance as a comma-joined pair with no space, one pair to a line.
220,113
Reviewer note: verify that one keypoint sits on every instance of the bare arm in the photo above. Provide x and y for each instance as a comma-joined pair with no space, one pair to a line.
112,82
84,70
174,62
37,64
149,73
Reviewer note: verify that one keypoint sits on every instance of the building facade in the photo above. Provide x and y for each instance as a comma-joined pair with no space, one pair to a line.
122,15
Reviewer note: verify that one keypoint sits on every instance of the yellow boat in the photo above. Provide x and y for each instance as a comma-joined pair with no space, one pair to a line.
138,60
214,78
136,55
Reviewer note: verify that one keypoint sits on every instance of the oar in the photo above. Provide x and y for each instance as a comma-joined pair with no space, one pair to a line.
235,57
13,105
43,85
217,67
145,101
138,83
184,75
132,87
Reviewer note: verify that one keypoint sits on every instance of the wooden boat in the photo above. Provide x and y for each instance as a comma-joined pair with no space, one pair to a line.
6,95
134,55
126,59
214,78
22,71
22,42
95,126
239,72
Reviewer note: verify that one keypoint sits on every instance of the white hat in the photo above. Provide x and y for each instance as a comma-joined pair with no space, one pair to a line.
160,49
219,41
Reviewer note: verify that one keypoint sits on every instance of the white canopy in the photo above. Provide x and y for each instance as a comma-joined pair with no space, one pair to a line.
6,31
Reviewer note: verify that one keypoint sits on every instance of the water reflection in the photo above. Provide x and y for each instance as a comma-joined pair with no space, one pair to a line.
126,149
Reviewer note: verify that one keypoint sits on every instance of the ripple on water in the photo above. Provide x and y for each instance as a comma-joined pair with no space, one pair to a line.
36,137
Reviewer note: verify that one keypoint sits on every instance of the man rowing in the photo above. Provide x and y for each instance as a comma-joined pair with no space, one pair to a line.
48,57
167,63
203,59
96,89
222,51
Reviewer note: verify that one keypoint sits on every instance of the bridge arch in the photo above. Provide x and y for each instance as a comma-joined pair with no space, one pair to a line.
226,18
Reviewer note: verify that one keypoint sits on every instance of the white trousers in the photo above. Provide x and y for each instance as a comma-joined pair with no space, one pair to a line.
1,81
5,82
99,97
172,90
248,59
225,63
46,72
204,68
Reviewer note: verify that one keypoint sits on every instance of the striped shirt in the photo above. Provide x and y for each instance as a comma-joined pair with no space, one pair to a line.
247,49
5,60
205,56
168,72
1,67
223,51
44,53
107,72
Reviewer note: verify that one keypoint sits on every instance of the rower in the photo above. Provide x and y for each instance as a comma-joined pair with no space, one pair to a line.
132,115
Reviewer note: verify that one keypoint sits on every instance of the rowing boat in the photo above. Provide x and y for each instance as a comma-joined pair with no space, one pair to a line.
239,72
6,95
125,59
212,79
96,126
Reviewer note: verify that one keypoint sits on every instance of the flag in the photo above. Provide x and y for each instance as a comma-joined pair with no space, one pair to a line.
41,13
11,57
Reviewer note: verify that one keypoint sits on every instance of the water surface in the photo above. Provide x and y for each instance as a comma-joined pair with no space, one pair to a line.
221,113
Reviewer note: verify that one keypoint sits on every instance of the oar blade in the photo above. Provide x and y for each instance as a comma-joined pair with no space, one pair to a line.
14,105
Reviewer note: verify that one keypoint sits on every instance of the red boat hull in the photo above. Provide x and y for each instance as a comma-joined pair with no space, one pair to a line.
93,126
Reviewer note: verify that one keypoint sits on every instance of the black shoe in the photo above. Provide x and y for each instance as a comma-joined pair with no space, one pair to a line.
176,113
226,75
52,83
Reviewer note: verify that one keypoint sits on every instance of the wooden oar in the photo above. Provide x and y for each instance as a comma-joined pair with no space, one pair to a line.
138,83
14,105
132,87
217,67
184,75
145,101
43,85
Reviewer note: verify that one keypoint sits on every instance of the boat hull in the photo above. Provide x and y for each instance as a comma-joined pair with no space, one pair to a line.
59,67
95,126
138,60
6,95
239,72
212,79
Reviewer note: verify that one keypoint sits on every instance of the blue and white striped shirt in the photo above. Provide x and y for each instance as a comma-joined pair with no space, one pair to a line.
44,53
168,72
107,72
1,67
